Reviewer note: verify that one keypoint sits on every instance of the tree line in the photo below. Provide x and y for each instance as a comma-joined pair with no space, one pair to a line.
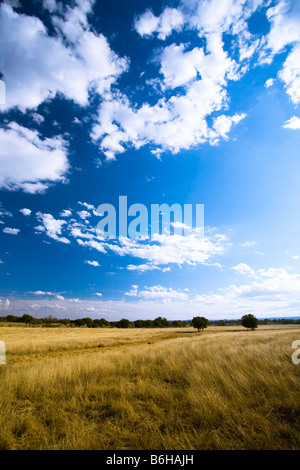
159,322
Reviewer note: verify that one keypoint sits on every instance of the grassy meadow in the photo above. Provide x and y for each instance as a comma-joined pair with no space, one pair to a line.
171,388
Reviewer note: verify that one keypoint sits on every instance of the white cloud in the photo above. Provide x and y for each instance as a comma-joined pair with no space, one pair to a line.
271,281
159,293
222,126
285,25
285,30
179,122
293,123
269,83
178,66
243,268
170,19
133,291
33,188
53,227
171,249
93,263
29,162
77,233
43,293
66,213
210,16
45,65
89,207
146,24
142,267
11,231
25,211
38,118
83,214
92,244
50,5
171,125
99,294
290,74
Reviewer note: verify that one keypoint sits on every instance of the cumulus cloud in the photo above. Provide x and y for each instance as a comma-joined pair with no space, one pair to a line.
52,227
269,83
285,31
37,66
171,125
222,126
293,123
29,162
93,263
171,19
83,214
180,121
285,20
243,268
25,211
290,74
66,213
69,62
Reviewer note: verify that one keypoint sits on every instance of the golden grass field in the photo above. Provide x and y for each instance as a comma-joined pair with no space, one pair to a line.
113,389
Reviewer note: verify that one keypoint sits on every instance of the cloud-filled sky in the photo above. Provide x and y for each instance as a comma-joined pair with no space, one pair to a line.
174,102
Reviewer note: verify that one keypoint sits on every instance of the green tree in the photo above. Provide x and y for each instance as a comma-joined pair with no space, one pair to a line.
100,323
123,323
249,321
27,319
12,318
160,322
200,323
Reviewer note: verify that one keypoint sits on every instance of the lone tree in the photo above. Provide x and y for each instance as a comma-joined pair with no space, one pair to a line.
249,321
200,323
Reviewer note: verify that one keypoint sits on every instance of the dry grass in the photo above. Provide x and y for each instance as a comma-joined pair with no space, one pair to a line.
147,389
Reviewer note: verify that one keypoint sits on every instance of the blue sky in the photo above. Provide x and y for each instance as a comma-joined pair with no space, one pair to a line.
187,102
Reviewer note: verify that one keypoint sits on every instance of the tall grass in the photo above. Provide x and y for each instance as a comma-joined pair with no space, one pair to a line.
217,390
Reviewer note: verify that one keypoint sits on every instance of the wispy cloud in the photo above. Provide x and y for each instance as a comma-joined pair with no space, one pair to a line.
11,231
